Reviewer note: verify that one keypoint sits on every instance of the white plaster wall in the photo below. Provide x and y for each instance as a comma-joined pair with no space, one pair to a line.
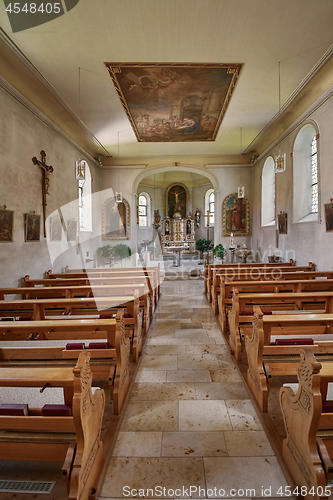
308,241
22,136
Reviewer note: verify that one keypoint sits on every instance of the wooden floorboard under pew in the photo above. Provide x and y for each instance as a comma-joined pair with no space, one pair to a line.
114,365
146,300
135,318
74,440
209,268
241,313
275,286
267,359
145,269
308,418
244,271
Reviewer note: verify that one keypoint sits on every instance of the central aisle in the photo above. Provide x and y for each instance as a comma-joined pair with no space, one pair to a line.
190,421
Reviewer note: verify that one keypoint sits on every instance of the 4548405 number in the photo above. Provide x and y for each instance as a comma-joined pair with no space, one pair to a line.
32,8
303,491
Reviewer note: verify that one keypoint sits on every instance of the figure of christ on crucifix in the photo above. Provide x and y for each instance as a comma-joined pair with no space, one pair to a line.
46,169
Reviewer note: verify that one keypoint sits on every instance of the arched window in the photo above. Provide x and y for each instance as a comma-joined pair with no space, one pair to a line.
268,193
144,210
85,206
305,175
210,205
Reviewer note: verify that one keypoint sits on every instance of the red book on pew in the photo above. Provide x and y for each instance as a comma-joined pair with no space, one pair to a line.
56,411
78,346
21,410
98,345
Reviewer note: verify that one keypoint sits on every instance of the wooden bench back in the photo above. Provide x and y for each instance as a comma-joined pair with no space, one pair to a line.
302,413
86,464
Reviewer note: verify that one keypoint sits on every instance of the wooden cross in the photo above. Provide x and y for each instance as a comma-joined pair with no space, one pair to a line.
46,169
208,215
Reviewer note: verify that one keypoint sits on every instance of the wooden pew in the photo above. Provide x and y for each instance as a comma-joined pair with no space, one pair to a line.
241,315
152,277
209,268
136,319
267,360
308,447
74,440
258,273
274,286
154,269
111,364
92,288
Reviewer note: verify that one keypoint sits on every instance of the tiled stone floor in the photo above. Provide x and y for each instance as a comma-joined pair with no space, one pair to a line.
190,423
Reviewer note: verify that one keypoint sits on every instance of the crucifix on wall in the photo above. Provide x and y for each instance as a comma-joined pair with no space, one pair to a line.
46,169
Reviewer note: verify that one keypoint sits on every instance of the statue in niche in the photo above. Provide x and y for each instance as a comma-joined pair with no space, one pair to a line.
188,227
167,228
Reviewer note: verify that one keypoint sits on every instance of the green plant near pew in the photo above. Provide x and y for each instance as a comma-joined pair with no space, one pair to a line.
219,251
204,245
122,251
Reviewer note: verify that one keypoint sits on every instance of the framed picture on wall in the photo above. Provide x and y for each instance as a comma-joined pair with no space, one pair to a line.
6,226
329,216
116,220
282,223
55,229
32,227
236,216
71,230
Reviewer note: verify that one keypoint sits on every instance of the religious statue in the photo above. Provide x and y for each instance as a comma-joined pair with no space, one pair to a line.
157,216
197,216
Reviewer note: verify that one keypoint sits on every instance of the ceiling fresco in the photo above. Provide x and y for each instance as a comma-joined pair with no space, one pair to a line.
174,102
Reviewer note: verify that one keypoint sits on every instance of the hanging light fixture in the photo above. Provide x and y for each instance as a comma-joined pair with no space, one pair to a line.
241,189
280,158
119,196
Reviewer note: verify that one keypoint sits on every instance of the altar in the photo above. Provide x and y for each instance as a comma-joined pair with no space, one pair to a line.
177,249
178,233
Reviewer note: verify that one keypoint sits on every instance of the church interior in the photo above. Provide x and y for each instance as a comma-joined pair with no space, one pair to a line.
132,135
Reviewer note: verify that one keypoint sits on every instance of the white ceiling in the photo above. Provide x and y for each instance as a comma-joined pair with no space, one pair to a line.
256,33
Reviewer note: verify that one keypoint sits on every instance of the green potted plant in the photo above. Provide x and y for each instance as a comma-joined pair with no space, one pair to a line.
219,251
107,252
122,251
204,246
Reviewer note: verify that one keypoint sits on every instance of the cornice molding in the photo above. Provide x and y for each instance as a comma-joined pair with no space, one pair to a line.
15,94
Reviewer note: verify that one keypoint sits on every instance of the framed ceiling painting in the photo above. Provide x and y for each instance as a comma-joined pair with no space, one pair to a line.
183,102
236,216
116,220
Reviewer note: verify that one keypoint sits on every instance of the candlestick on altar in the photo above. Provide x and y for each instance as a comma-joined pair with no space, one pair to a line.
231,239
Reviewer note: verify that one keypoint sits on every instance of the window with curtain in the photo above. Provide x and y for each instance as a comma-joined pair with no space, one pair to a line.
305,175
268,193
